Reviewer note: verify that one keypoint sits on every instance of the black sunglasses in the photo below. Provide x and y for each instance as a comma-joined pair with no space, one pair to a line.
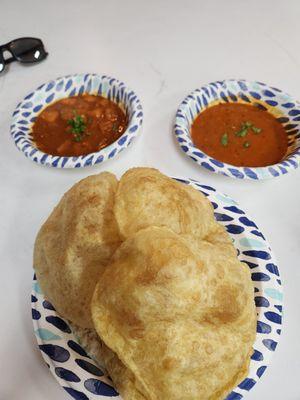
26,50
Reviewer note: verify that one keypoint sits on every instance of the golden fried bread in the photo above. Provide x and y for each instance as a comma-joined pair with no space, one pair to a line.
124,380
144,262
182,321
74,245
146,197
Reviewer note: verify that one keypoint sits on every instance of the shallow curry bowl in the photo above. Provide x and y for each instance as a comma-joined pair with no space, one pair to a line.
281,105
71,85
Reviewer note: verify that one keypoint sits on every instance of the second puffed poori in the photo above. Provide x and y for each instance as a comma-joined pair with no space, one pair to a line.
146,197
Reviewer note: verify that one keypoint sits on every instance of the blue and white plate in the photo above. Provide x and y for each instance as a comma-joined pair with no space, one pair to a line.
72,85
83,379
281,105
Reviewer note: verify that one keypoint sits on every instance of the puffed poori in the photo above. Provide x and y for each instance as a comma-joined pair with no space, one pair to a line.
148,277
145,197
75,243
182,327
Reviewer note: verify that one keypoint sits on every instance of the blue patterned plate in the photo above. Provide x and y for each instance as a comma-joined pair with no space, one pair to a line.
72,85
83,379
281,105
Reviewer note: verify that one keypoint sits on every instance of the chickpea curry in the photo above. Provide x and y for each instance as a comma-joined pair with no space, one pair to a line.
240,135
78,125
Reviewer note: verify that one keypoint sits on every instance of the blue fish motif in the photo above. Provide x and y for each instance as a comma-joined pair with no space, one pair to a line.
76,394
273,317
66,374
89,367
257,356
270,344
264,255
262,327
234,396
77,348
56,353
234,229
261,301
247,384
261,370
260,277
35,314
97,387
59,323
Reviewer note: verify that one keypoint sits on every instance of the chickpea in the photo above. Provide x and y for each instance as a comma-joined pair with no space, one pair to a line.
50,116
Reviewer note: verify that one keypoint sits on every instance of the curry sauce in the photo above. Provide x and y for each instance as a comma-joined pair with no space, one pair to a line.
240,135
78,125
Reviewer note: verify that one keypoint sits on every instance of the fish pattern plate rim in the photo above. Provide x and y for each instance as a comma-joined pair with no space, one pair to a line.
248,92
71,85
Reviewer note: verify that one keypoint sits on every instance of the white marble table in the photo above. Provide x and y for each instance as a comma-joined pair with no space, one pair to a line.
163,50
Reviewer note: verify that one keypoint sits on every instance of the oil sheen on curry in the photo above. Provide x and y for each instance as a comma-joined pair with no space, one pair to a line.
78,125
240,135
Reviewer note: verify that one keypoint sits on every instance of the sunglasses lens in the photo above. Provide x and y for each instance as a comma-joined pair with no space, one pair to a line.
28,50
2,62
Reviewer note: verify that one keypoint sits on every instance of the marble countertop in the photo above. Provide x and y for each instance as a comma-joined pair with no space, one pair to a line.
163,50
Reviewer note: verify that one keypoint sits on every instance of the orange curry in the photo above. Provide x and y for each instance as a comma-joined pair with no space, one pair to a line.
240,134
78,125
